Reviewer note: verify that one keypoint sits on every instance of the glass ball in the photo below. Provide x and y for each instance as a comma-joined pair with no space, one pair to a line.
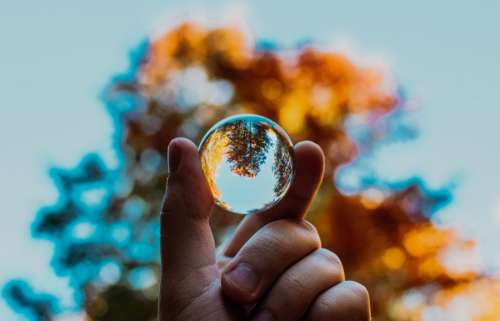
248,163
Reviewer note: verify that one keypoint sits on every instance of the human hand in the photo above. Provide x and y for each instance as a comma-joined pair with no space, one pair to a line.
273,268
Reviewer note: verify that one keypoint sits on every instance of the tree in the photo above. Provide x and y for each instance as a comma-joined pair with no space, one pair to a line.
105,226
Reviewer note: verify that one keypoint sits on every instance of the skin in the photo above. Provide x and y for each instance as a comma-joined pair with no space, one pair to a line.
273,268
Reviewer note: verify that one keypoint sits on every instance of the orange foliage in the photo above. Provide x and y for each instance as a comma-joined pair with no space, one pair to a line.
384,236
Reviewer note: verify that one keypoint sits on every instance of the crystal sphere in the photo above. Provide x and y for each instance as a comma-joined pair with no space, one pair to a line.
248,163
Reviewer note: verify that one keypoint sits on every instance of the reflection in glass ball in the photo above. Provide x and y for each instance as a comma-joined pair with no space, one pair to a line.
248,163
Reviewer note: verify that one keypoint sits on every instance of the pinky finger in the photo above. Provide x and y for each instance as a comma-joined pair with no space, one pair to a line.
347,301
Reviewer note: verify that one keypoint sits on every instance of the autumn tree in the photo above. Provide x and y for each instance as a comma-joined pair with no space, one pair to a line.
105,225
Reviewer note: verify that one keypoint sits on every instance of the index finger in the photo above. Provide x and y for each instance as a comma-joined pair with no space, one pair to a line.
310,165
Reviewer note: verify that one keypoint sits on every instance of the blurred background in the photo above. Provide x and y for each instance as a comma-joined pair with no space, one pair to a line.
402,97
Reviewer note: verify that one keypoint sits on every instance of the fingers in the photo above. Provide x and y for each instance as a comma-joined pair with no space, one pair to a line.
186,239
273,249
347,301
309,167
293,293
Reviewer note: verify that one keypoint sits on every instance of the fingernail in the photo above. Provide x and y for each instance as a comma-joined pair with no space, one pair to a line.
174,157
264,315
243,277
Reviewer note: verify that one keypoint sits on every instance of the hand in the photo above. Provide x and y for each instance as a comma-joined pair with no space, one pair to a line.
273,268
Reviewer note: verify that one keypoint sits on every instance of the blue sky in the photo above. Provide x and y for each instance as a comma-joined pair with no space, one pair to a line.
57,55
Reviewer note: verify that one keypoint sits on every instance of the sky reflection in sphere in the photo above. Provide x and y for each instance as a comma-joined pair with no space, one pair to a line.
248,163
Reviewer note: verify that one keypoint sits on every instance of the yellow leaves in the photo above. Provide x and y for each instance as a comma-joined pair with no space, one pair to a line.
368,91
394,258
312,86
318,103
188,45
292,112
426,240
271,89
478,300
217,144
325,105
440,253
228,44
430,268
178,47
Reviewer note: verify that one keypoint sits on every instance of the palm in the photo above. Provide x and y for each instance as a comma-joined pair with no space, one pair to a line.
209,304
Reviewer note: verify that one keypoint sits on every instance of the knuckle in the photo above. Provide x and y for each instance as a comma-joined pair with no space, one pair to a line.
310,232
308,226
346,301
263,247
305,231
296,284
329,257
358,291
332,260
323,307
282,226
274,241
278,225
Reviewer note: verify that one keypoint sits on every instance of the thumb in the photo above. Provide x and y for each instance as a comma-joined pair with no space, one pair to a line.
186,238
